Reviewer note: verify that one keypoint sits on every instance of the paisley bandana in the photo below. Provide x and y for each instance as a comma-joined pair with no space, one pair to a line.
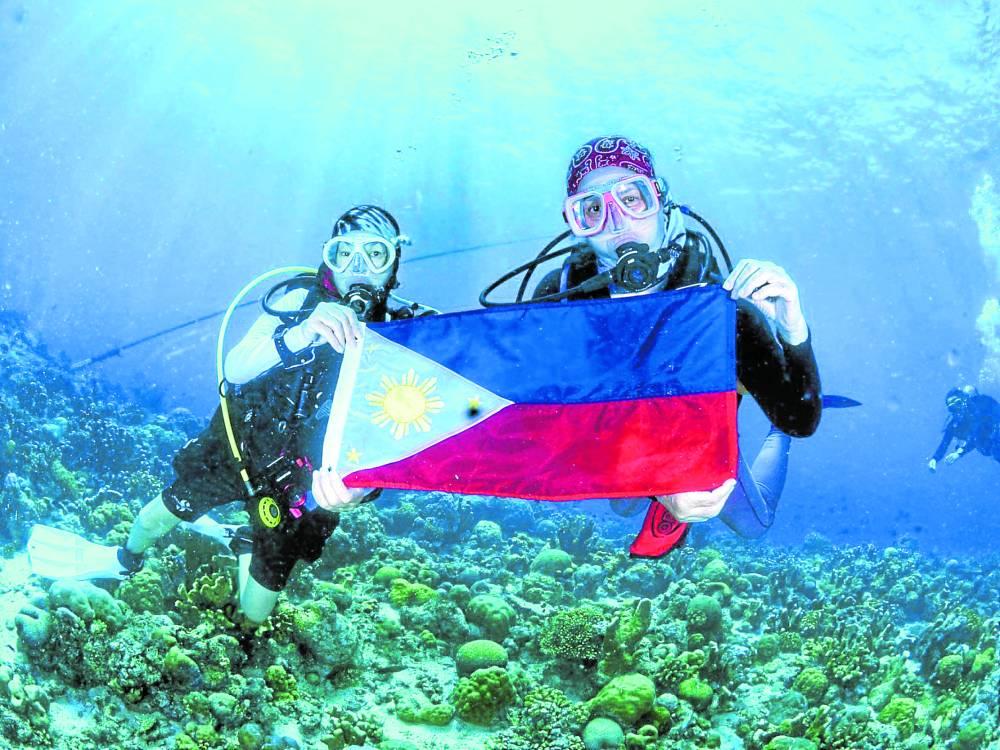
608,151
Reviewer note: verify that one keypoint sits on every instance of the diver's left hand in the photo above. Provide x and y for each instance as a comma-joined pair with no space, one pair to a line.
952,457
769,288
691,507
332,494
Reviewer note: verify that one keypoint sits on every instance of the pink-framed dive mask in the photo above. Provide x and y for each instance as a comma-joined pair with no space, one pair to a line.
637,196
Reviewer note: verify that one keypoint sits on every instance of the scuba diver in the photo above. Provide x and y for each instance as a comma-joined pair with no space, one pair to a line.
632,239
973,423
273,397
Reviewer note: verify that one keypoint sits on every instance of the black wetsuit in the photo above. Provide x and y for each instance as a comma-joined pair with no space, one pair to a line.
783,379
207,474
976,427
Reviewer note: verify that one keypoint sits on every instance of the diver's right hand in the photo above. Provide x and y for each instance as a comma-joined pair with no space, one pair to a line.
332,494
932,465
334,323
692,507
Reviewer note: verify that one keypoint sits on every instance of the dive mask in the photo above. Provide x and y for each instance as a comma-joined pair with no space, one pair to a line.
637,196
361,253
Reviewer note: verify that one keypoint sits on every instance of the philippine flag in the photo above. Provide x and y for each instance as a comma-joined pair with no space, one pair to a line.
604,398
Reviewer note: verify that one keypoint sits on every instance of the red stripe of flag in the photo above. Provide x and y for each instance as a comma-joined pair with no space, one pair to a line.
579,451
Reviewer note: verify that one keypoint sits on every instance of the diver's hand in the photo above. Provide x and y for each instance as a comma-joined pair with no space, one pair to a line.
770,289
952,457
691,507
932,465
332,494
336,324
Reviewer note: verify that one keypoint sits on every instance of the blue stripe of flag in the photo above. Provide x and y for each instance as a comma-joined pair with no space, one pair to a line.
664,344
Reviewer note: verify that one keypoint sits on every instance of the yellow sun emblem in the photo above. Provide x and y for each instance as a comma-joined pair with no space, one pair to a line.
405,402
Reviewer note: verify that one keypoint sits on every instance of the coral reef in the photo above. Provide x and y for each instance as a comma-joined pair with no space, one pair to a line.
513,626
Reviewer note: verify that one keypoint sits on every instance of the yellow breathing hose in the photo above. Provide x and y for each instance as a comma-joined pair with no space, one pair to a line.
220,359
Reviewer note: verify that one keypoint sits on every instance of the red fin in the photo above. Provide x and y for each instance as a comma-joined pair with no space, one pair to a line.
661,532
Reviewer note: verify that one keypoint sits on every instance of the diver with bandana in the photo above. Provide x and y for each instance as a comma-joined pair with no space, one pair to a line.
632,239
275,403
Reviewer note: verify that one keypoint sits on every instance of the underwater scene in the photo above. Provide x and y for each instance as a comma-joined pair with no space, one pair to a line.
546,376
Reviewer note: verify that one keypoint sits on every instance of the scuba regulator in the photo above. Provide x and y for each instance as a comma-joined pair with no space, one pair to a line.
363,299
637,266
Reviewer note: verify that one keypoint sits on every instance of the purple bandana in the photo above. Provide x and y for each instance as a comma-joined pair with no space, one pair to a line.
608,151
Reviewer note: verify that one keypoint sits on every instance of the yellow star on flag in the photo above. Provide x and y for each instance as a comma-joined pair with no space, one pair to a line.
353,456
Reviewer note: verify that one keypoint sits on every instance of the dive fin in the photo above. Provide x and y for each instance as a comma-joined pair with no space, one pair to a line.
223,533
57,553
839,402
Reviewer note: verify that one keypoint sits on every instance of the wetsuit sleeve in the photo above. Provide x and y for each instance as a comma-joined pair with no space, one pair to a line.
783,379
949,433
255,353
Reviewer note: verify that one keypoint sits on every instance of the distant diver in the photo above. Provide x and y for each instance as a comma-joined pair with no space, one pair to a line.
973,424
255,447
632,239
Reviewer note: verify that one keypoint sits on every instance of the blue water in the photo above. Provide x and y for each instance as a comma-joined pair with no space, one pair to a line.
155,156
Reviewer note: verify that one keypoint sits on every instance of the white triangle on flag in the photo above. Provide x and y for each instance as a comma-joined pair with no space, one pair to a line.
392,402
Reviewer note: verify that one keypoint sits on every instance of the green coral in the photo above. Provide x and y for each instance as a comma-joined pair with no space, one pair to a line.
25,698
180,667
901,713
603,734
847,660
107,515
435,715
789,642
143,592
790,743
812,683
677,667
198,737
552,562
625,699
492,614
622,637
983,663
703,615
697,692
717,570
949,671
480,654
385,575
205,599
66,480
483,696
402,593
972,736
282,683
86,601
574,635
548,719
350,729
768,647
